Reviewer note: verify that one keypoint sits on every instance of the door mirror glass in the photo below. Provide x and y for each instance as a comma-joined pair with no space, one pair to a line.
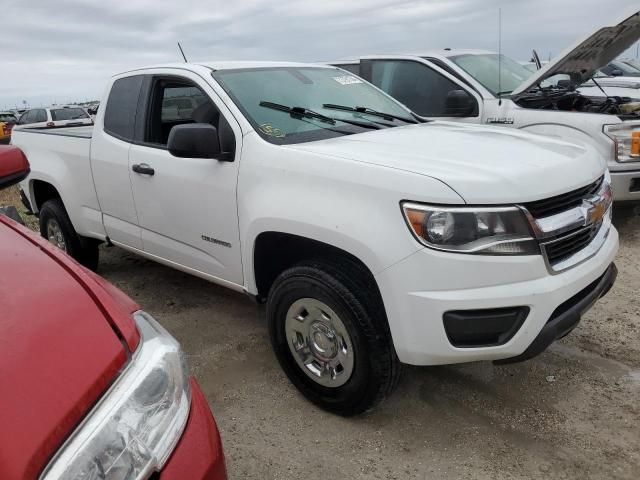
459,103
194,140
14,166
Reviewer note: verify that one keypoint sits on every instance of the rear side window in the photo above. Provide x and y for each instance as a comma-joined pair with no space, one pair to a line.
120,113
68,114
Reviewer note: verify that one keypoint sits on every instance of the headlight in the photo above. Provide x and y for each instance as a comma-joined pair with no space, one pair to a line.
626,141
488,231
134,428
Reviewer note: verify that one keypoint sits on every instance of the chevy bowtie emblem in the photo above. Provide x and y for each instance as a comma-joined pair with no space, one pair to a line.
595,209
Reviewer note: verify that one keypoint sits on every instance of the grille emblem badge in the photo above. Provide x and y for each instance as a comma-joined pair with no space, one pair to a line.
595,208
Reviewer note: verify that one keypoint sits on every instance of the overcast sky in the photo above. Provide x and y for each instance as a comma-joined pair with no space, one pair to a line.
64,50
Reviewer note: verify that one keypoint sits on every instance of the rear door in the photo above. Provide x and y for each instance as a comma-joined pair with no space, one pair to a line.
112,138
428,91
187,207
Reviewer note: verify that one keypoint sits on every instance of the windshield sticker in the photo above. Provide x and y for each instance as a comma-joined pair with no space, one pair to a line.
272,131
347,80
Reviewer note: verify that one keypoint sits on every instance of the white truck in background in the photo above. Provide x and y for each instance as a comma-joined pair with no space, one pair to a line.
481,87
374,238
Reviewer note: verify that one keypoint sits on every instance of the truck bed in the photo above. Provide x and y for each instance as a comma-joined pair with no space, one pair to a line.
65,154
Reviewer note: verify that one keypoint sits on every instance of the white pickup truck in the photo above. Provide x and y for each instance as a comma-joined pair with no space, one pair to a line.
375,239
482,87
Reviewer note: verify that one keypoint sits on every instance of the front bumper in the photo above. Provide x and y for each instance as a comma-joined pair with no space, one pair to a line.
567,316
419,290
626,185
198,455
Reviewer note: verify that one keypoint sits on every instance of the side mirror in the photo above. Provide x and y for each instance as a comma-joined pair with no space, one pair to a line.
194,140
459,103
616,72
14,166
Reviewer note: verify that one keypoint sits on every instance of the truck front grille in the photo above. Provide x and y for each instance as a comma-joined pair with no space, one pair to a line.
566,201
565,246
572,227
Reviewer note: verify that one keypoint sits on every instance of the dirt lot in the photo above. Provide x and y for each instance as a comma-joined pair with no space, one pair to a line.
573,412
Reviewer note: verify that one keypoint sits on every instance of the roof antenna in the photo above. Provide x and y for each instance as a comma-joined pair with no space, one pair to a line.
182,52
499,56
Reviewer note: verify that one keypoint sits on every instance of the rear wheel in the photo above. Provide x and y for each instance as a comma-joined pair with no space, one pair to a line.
56,227
329,332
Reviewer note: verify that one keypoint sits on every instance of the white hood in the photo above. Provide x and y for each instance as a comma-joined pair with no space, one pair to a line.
484,165
582,60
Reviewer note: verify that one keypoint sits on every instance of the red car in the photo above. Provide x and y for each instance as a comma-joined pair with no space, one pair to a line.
91,387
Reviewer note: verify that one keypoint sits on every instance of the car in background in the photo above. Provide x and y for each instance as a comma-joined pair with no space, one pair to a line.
634,62
483,87
618,68
55,117
92,386
7,121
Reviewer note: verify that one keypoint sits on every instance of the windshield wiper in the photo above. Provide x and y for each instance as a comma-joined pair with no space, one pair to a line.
369,111
300,112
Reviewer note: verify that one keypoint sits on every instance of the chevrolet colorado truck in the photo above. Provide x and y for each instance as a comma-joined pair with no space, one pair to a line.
475,86
374,238
92,386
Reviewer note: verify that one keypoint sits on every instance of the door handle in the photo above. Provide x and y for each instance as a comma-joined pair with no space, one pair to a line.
143,169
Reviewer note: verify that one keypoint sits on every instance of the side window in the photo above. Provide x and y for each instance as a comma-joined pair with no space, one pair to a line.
179,103
41,116
30,117
175,102
419,87
122,105
24,118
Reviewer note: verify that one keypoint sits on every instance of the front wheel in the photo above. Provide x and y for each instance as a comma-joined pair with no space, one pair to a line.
330,335
56,227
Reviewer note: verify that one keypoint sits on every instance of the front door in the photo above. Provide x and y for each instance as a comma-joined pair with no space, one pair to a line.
187,206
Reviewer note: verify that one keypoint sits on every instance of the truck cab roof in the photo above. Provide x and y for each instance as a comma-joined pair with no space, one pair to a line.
227,65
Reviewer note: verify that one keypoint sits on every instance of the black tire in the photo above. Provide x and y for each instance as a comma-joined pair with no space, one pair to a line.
349,292
83,250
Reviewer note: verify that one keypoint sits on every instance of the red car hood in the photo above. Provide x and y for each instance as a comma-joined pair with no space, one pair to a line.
64,336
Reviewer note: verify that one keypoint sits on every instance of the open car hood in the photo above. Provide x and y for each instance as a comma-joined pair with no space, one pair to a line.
582,60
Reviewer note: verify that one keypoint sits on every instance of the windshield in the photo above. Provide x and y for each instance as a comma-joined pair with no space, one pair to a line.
311,88
484,68
68,114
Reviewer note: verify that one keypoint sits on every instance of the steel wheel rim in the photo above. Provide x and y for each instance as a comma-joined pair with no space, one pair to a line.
54,234
319,342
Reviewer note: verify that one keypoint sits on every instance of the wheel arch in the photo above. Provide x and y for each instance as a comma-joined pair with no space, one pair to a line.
275,251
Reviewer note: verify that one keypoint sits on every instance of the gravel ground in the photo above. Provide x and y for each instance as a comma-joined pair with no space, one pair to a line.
572,412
